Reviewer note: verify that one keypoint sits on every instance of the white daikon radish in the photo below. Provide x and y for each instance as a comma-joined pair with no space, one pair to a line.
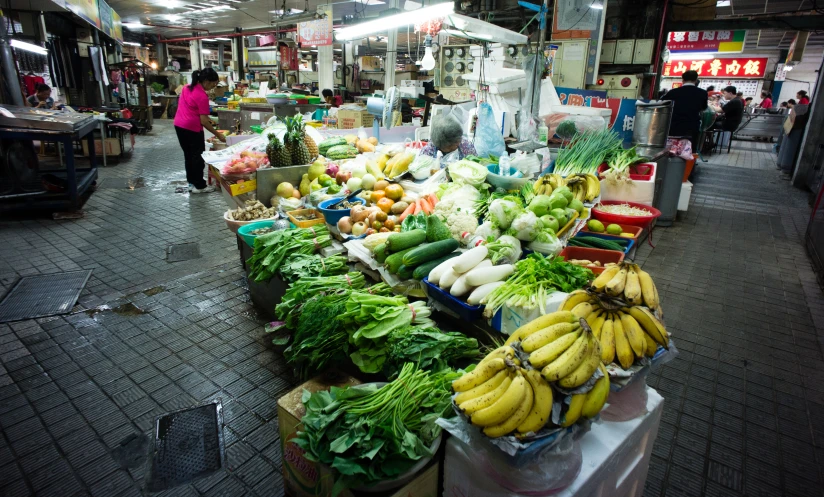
470,259
460,288
482,291
448,278
481,276
439,270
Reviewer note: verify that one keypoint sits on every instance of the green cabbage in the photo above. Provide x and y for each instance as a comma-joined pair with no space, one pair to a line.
468,172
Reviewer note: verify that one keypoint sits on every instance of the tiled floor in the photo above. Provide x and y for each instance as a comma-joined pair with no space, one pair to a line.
744,408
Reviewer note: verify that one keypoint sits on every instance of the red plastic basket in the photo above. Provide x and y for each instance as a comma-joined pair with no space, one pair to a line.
643,171
590,254
608,218
625,228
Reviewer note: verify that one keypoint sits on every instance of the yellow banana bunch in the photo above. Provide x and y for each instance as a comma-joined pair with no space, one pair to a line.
589,404
629,281
578,186
593,188
543,185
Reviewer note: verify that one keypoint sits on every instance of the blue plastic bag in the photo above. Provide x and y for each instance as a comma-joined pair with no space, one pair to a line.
488,137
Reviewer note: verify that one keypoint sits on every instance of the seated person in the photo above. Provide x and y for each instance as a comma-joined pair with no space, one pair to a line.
41,98
447,137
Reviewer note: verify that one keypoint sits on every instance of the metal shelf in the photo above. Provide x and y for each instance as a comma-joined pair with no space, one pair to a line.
263,49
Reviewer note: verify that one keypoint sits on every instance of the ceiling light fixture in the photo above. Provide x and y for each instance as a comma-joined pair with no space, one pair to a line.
223,39
205,50
29,47
428,61
722,3
132,43
394,21
208,39
597,5
134,25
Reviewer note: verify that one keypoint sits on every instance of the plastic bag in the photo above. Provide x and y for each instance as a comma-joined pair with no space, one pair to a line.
528,163
488,137
542,467
527,126
535,96
286,204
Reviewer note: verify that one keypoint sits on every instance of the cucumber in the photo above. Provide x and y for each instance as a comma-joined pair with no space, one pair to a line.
430,252
405,272
380,253
424,269
394,261
407,239
620,241
592,242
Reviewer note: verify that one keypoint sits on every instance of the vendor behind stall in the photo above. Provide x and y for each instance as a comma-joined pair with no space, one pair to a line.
41,98
191,117
448,139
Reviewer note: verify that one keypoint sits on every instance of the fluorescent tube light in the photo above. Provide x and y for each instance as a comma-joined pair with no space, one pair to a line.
223,39
22,45
722,3
132,43
597,5
394,21
208,39
134,25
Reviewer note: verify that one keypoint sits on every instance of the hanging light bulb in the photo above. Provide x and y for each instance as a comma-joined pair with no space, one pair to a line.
428,61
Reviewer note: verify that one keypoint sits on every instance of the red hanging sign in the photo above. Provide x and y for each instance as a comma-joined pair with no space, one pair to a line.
733,67
288,58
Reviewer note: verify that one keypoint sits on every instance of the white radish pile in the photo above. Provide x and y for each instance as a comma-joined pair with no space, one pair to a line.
470,273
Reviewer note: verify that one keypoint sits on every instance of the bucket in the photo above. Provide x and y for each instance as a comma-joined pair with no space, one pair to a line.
652,123
689,166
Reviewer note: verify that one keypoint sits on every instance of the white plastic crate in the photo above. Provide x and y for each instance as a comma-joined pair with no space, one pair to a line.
684,198
615,460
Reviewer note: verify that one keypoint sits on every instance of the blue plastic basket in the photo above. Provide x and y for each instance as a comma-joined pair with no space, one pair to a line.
462,309
332,216
244,231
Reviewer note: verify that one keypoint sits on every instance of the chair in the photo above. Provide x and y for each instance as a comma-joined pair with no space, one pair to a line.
705,141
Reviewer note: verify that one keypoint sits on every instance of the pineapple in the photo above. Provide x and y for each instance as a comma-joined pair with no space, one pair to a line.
311,146
300,150
278,155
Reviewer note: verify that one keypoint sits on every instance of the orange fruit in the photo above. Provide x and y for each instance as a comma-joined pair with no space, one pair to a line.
385,204
381,185
377,196
395,192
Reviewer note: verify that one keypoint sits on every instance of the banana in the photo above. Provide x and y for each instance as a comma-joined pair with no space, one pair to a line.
575,298
607,341
632,289
482,389
648,290
551,351
597,397
540,323
596,323
547,335
601,281
504,407
617,283
568,361
635,334
482,373
576,404
585,370
513,422
593,187
622,348
541,403
484,401
652,346
499,353
650,324
583,310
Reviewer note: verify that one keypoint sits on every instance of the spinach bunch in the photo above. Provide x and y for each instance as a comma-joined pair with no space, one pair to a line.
428,348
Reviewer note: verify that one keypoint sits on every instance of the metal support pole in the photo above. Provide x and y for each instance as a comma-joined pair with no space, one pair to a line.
391,54
96,40
539,58
9,67
220,56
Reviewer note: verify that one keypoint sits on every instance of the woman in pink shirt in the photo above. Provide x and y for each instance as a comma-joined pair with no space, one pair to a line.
191,117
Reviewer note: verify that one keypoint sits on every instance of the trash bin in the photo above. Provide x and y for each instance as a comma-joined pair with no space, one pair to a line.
667,201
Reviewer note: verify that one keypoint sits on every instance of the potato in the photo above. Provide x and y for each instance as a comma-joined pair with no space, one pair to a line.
398,207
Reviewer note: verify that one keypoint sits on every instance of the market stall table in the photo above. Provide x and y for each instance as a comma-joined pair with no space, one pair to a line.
23,123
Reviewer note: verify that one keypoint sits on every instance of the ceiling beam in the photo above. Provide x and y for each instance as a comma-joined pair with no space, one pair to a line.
796,23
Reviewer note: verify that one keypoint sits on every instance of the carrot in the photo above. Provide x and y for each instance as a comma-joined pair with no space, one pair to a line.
425,206
417,207
409,210
433,199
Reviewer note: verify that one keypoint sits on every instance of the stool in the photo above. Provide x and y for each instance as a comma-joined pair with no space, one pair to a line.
718,136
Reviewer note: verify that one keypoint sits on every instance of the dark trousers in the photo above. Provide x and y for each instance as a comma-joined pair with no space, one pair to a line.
193,144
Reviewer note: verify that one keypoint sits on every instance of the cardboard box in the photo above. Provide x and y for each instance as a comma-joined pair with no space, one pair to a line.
354,119
304,478
112,147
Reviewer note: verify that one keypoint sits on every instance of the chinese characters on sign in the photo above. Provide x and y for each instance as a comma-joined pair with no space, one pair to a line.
706,41
747,67
317,32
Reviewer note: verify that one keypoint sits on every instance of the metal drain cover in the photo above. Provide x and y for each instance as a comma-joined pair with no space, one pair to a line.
183,252
43,295
188,444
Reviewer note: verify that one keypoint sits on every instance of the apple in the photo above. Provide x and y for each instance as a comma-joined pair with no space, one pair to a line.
342,177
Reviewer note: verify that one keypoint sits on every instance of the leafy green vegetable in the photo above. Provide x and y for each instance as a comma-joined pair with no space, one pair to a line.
586,151
272,249
373,318
299,266
566,129
369,434
302,290
534,278
428,348
319,339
